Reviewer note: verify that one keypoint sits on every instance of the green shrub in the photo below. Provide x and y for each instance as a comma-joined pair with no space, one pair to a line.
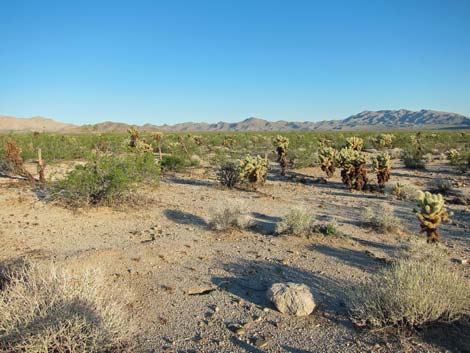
176,163
105,179
419,288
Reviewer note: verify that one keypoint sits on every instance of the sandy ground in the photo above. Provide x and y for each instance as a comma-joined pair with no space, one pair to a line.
238,267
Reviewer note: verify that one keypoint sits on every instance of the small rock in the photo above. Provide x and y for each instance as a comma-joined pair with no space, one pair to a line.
261,342
292,298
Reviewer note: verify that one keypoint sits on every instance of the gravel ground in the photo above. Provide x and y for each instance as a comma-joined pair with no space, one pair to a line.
164,250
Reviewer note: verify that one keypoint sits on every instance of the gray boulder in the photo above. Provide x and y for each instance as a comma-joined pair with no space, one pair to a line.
291,298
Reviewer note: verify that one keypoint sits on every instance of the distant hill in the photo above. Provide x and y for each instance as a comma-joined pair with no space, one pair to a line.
37,123
367,120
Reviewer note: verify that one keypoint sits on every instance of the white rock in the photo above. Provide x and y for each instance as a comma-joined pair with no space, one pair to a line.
291,298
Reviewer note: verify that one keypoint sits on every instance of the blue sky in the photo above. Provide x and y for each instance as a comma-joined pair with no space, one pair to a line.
174,61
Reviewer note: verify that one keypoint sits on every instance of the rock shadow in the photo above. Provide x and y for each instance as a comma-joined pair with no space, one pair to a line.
250,280
187,218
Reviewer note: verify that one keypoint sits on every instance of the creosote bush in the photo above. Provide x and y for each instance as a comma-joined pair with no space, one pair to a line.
297,222
382,219
52,310
105,180
229,218
419,288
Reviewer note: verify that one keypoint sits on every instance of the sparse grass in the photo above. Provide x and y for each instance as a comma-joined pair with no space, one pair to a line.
105,180
406,192
297,222
52,310
382,219
329,229
229,218
419,288
441,186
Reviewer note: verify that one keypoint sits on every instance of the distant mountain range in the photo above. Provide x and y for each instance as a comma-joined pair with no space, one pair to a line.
367,120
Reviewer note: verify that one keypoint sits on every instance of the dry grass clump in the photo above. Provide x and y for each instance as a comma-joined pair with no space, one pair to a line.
382,219
229,218
297,222
420,288
51,310
405,192
442,186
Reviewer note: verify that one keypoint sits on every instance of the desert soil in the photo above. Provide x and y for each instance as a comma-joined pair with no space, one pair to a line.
164,251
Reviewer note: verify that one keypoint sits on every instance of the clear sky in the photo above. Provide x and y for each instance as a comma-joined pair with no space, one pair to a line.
87,61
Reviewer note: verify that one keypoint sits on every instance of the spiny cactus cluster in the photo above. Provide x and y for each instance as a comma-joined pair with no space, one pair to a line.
254,170
355,143
431,213
328,160
353,168
282,145
382,166
133,136
385,140
157,138
453,155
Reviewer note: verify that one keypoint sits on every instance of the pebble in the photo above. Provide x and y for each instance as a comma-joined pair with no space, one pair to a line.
261,342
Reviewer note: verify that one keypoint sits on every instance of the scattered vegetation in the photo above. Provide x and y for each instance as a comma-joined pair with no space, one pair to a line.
414,155
420,288
430,214
52,310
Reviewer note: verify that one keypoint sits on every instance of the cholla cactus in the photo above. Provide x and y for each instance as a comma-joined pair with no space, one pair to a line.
354,143
143,147
254,170
282,144
431,214
353,168
328,160
385,140
133,136
382,166
453,155
157,137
